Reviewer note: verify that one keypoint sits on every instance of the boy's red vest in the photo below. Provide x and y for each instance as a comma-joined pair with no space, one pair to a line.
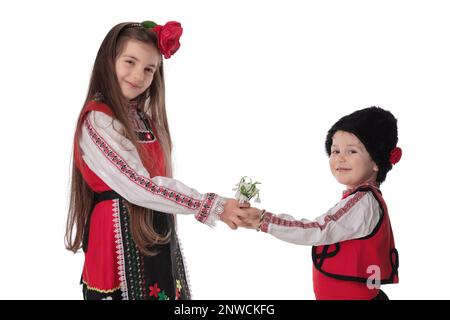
360,259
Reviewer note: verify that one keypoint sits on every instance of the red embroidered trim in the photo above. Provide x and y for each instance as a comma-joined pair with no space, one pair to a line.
141,181
265,224
298,224
203,214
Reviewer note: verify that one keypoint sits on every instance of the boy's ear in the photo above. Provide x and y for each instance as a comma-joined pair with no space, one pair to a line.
375,167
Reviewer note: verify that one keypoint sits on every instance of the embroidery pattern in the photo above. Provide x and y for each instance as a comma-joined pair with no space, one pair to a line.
206,206
162,296
120,250
100,290
132,269
267,220
145,182
145,136
131,264
154,291
98,97
178,290
144,128
182,290
270,218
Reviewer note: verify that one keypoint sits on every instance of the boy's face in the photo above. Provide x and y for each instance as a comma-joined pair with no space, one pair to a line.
350,163
135,67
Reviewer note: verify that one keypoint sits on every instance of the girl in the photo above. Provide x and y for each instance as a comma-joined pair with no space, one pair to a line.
353,244
122,196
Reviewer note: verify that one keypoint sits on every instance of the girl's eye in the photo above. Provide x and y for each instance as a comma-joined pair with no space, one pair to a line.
352,151
129,61
149,70
335,151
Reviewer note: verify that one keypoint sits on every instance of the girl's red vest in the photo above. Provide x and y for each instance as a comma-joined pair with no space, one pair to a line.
362,259
156,167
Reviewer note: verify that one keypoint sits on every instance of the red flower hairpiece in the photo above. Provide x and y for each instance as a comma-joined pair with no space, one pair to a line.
168,36
395,155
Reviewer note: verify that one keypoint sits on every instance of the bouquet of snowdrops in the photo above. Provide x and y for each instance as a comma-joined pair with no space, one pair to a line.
246,190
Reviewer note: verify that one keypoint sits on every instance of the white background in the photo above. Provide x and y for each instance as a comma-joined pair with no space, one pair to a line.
252,91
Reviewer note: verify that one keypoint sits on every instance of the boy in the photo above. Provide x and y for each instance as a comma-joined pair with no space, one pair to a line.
353,244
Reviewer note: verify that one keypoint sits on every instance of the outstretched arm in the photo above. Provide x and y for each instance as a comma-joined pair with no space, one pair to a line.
115,160
352,218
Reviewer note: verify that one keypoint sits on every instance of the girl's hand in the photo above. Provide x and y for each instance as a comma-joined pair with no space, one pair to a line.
232,215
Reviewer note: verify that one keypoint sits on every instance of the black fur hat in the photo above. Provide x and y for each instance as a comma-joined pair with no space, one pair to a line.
376,128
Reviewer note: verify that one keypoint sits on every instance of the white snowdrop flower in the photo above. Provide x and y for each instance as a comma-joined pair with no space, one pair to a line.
246,190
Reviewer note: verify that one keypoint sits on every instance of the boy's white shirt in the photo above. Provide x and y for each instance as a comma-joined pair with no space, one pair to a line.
98,162
353,217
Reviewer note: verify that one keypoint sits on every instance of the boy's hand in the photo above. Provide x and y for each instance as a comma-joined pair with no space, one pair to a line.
250,216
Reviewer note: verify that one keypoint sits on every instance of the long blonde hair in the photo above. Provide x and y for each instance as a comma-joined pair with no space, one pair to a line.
152,102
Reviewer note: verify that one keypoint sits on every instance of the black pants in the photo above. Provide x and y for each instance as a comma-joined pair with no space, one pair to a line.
381,296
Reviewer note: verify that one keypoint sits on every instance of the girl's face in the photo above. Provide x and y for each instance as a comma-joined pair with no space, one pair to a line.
350,163
135,67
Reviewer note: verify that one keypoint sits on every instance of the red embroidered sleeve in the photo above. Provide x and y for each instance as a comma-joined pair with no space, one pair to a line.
353,217
115,160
